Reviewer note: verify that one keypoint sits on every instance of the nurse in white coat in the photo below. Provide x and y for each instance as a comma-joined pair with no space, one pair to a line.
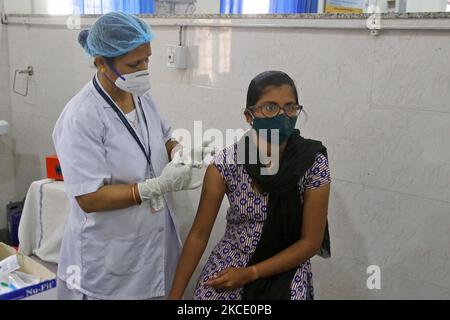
121,239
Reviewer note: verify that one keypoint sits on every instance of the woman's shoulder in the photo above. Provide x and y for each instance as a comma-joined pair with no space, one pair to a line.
84,108
225,162
318,174
320,159
150,107
148,103
226,155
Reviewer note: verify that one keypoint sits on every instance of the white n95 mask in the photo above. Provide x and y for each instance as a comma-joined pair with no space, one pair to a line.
137,83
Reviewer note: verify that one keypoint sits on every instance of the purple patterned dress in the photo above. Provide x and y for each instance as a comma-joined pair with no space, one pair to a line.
245,218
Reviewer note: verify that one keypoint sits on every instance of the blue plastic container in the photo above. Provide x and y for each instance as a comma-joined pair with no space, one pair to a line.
13,214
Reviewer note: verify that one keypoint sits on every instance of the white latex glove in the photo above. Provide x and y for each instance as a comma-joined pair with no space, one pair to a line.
156,203
174,177
195,157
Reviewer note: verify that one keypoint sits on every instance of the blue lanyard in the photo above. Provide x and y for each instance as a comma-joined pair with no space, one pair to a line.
127,124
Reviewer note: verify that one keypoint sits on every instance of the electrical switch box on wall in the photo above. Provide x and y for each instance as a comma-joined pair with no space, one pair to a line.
177,57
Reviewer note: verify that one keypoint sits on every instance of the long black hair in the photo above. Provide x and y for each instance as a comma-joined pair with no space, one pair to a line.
266,79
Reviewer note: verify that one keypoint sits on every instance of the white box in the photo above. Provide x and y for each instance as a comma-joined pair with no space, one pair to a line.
45,290
177,57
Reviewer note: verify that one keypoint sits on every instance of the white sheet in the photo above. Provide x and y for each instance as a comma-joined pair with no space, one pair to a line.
43,218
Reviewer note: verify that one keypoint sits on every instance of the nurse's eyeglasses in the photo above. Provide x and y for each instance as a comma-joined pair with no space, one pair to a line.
270,110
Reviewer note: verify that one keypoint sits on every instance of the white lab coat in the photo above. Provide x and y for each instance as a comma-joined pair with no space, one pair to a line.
120,254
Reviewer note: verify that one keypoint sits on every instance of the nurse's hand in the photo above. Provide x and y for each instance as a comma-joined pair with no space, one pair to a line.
196,157
174,177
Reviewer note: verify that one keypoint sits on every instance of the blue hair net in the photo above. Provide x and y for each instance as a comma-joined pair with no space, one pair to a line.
115,34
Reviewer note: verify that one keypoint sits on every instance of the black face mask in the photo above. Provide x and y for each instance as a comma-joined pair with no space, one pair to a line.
284,124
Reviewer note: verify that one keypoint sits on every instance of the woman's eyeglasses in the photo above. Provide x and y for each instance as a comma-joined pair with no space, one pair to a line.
270,110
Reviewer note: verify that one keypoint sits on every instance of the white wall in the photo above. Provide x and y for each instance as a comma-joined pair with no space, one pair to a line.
415,5
207,6
7,176
201,7
426,6
26,6
18,6
213,6
380,105
41,6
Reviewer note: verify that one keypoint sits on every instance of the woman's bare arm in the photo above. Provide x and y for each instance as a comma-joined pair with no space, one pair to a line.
110,197
211,198
170,146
